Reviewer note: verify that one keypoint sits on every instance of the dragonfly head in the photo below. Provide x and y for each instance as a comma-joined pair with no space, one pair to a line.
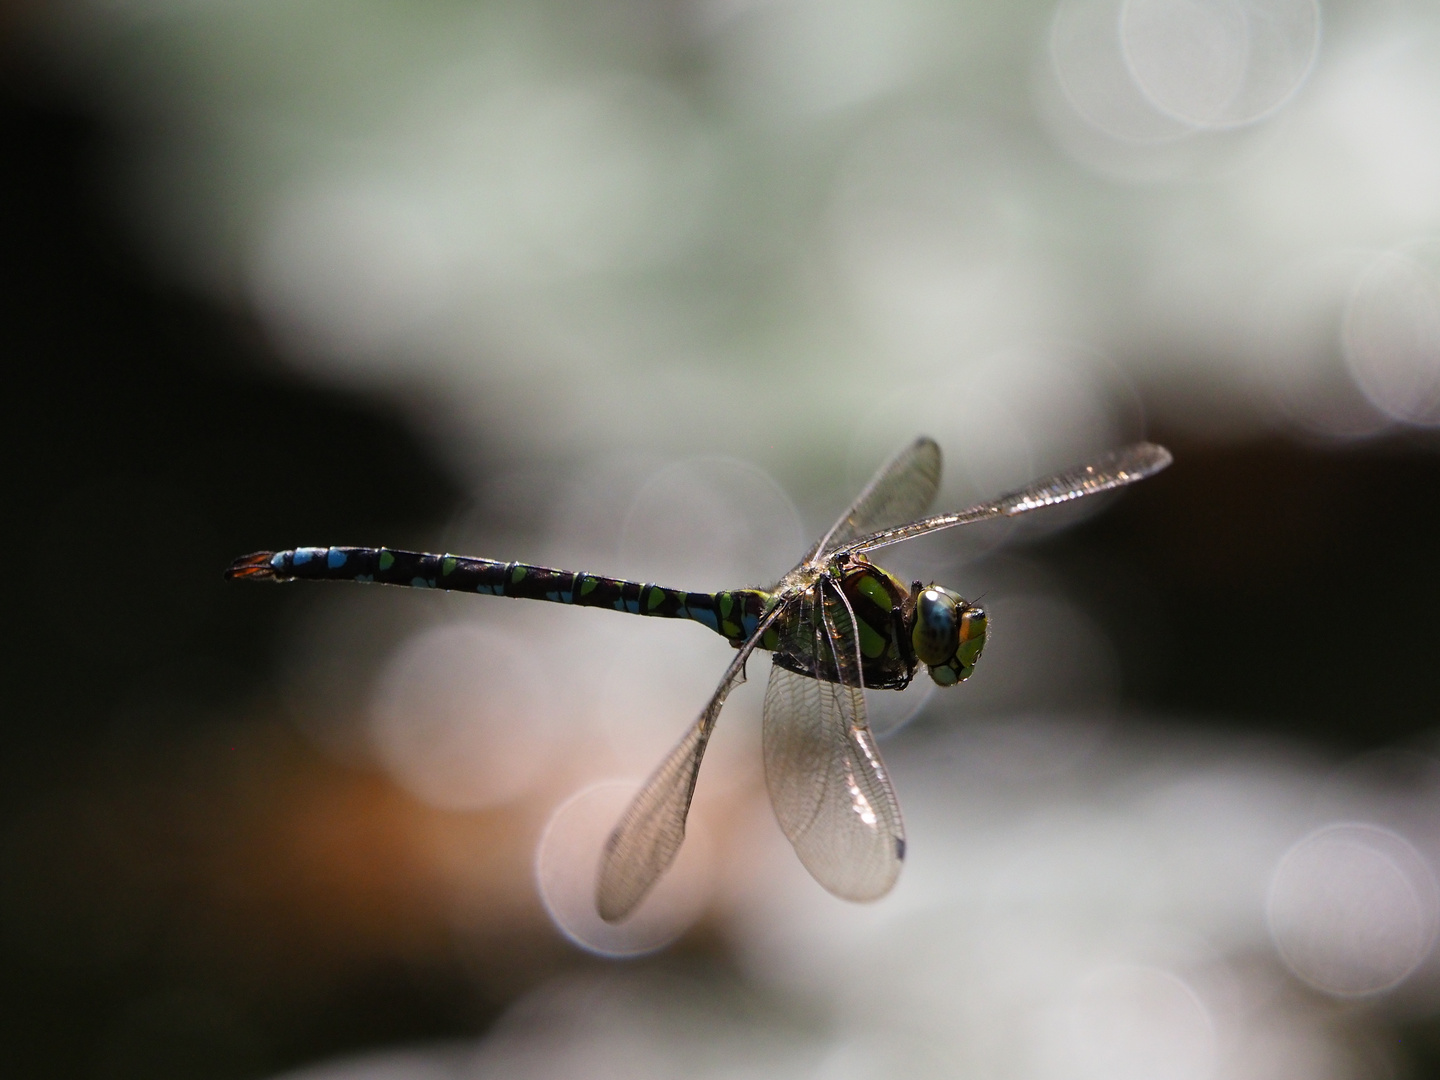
948,633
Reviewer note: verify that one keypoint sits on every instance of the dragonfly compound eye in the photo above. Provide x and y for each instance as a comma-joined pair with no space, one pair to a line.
972,637
969,639
936,633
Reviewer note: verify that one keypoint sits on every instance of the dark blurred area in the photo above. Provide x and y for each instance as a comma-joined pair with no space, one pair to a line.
157,917
146,916
1287,588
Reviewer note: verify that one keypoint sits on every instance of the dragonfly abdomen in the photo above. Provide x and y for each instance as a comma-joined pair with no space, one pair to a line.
733,614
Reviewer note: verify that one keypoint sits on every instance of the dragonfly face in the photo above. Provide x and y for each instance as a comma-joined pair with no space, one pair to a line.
948,634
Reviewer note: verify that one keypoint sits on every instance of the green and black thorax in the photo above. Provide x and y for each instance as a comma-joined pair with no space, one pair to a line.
826,647
895,629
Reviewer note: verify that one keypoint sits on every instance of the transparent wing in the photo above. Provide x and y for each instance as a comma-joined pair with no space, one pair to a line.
827,783
1111,470
649,834
901,491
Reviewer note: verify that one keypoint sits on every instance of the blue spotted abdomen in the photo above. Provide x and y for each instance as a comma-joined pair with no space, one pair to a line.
733,614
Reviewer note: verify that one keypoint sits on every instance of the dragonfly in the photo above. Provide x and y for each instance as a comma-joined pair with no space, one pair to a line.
835,625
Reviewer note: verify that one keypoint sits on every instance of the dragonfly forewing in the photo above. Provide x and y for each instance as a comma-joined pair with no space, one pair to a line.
648,837
1111,470
827,783
900,491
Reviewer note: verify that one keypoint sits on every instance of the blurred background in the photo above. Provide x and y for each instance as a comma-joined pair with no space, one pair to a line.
649,287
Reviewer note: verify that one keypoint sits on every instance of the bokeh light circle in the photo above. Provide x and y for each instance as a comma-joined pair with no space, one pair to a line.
1296,337
1147,72
567,861
1392,333
1187,57
887,711
1353,909
460,717
1219,63
1089,68
659,680
1131,1022
710,523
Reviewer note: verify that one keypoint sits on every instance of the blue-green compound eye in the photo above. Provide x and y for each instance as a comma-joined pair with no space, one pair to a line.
937,625
948,635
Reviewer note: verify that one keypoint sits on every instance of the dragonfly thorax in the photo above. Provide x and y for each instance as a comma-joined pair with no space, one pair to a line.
895,629
947,633
835,615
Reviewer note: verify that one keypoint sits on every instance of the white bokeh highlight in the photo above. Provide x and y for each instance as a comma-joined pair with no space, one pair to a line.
1088,62
1154,70
710,523
567,862
1155,90
1392,333
1219,63
1354,909
1129,1022
1126,917
1296,329
460,716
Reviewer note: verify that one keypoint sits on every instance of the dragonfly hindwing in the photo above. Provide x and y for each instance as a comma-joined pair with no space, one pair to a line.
827,783
648,837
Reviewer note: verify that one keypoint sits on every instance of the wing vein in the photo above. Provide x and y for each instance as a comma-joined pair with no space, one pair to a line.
901,490
827,783
1114,469
648,836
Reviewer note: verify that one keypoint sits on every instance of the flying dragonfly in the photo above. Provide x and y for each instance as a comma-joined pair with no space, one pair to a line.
835,624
